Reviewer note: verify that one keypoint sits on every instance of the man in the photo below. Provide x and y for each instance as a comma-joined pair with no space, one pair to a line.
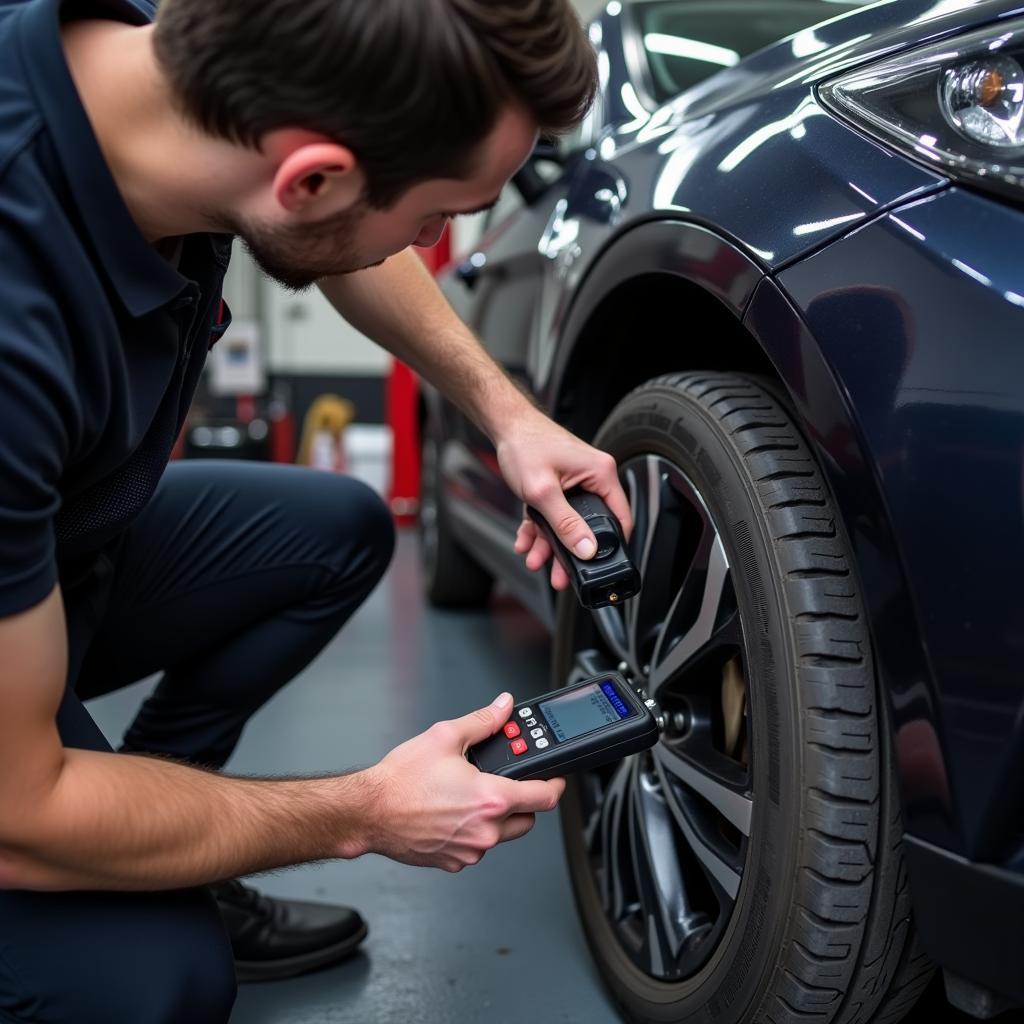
329,135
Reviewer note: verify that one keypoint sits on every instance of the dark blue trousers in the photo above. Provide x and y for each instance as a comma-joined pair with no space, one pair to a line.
230,582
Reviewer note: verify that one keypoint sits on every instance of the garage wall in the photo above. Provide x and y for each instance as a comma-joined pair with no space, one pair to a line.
306,346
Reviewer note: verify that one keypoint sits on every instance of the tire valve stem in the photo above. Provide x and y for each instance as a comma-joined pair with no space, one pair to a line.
659,715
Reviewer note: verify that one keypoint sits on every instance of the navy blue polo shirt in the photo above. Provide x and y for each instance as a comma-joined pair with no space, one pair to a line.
102,341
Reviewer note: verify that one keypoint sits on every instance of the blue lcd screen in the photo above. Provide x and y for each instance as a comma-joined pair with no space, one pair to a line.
584,710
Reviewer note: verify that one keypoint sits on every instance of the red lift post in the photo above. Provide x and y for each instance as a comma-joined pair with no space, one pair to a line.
403,418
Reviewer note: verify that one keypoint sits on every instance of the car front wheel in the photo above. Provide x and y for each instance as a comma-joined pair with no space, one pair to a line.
749,867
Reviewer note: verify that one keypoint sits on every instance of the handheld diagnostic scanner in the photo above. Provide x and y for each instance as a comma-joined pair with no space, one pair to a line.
584,725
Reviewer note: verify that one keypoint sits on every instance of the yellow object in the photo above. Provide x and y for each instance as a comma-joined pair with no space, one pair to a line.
326,419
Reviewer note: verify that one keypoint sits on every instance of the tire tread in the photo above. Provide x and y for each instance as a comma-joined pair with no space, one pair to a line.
849,894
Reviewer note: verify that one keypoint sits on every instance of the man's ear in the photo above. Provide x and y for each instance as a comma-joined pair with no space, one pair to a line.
312,170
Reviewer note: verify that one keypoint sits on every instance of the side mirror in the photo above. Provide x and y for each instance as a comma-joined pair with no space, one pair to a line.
543,167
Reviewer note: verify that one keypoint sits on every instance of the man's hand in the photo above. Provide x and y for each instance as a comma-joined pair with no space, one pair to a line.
433,808
540,462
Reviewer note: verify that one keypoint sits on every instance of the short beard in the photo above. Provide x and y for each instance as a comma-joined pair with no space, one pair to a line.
298,257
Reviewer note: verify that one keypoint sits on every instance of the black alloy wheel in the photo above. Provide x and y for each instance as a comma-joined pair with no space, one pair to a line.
749,867
682,639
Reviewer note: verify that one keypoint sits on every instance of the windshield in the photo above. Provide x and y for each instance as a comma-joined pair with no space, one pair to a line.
687,41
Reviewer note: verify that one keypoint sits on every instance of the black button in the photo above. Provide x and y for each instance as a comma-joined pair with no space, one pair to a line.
606,537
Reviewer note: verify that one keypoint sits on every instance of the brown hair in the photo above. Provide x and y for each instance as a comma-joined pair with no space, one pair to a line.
410,86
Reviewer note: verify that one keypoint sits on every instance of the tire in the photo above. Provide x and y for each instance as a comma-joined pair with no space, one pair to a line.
452,578
749,868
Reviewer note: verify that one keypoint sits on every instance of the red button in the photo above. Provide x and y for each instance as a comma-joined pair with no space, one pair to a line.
518,747
511,730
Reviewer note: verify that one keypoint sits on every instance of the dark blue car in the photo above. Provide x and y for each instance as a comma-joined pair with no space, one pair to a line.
779,274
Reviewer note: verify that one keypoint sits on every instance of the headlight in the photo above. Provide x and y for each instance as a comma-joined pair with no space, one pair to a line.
958,103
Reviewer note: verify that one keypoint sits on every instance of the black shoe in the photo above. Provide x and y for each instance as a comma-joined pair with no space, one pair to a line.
274,938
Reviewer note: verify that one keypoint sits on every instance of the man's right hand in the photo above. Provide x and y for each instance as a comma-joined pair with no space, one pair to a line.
433,808
73,819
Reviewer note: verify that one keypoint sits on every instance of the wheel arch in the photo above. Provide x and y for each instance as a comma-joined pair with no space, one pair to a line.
641,281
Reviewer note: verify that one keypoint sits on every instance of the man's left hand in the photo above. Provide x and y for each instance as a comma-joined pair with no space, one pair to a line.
540,462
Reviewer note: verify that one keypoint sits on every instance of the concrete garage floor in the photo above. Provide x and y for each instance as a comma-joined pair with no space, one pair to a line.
497,943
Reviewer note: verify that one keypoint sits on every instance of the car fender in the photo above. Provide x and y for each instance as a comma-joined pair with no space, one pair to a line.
720,268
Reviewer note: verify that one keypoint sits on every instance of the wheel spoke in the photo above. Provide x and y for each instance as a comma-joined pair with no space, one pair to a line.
690,594
617,625
649,487
657,945
616,872
612,627
715,576
591,800
641,476
728,795
661,886
705,849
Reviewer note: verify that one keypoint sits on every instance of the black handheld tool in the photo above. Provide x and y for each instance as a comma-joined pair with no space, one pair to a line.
610,576
585,725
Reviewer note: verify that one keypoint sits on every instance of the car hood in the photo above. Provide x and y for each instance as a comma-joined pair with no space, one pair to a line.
851,38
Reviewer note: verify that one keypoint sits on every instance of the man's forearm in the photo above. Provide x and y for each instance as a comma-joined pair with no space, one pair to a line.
117,821
400,307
